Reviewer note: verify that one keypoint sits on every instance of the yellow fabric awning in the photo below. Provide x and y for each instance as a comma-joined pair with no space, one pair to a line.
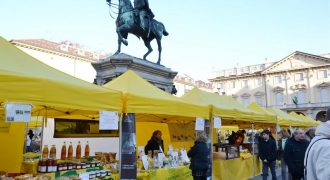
271,117
225,107
285,119
141,97
306,121
27,80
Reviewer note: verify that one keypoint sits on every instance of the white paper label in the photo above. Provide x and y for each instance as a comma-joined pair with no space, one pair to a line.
200,122
217,122
84,176
108,120
161,159
145,162
184,156
18,112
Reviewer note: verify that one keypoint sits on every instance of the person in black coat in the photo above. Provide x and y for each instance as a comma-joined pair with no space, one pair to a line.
199,158
294,154
267,153
155,143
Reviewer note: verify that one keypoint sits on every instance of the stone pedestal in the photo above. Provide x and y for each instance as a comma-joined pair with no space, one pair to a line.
113,66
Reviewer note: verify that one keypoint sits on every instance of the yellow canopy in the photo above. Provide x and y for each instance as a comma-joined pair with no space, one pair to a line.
141,97
271,117
306,121
285,119
25,79
224,106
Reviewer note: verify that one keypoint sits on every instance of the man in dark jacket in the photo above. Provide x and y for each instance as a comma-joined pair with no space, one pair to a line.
294,154
267,153
199,158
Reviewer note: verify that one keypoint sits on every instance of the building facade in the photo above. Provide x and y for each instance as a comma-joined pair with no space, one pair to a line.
184,83
64,56
299,82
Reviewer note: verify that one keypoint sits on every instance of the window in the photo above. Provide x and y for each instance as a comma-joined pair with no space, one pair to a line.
278,99
245,101
324,95
299,77
245,83
259,100
323,74
301,97
233,84
277,80
220,86
68,128
259,81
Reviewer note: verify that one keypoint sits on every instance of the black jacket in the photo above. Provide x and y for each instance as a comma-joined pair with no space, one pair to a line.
267,150
280,150
153,144
199,156
294,154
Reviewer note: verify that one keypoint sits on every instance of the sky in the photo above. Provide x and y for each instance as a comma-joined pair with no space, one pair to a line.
204,35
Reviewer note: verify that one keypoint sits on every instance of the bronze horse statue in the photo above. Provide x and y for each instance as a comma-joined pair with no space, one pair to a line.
127,22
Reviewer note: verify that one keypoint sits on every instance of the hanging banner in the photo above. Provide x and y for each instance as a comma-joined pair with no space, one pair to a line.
108,120
127,147
216,122
16,112
200,123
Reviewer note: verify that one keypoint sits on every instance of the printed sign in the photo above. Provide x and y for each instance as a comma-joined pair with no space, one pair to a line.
108,120
145,162
217,122
16,112
200,123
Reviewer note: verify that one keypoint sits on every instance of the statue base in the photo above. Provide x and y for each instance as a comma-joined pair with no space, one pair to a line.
113,66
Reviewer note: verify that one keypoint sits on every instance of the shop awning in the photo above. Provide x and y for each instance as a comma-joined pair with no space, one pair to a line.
152,103
25,79
306,121
225,107
285,119
271,117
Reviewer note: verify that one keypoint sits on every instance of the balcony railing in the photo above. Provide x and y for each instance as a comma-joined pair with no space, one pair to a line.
305,105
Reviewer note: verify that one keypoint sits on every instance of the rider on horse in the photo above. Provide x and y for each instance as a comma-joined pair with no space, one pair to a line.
143,12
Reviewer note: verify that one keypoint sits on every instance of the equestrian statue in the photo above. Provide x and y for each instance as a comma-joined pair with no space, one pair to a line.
140,22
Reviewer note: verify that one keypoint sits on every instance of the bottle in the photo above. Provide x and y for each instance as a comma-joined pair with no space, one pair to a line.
49,166
43,166
87,150
52,153
63,152
78,151
45,152
70,152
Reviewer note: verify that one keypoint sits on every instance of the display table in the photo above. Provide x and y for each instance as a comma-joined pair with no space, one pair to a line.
235,169
179,173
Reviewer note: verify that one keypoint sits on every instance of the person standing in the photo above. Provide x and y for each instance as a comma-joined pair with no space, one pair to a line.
155,143
284,136
294,153
199,158
29,138
317,157
310,134
267,153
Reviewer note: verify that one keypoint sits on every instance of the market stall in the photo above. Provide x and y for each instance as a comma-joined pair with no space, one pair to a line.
48,92
231,113
146,103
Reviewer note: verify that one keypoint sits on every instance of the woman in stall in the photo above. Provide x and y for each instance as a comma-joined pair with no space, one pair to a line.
155,143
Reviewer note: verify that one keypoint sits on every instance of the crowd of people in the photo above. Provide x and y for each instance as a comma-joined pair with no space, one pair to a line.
303,154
